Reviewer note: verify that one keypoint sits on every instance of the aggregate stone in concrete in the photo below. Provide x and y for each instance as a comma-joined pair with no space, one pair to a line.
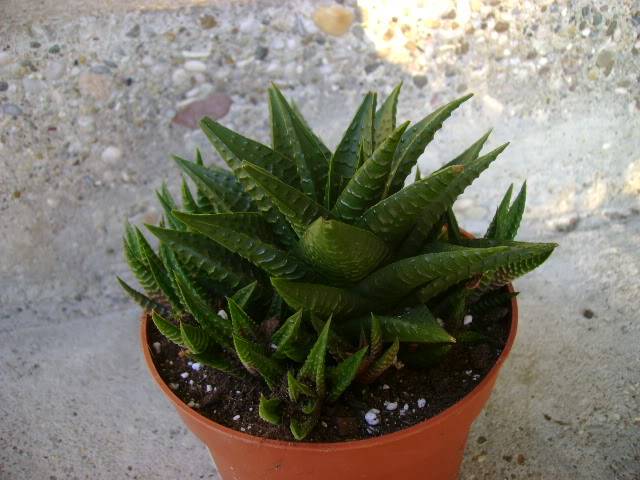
88,95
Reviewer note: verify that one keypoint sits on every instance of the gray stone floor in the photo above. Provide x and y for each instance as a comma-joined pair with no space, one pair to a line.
87,98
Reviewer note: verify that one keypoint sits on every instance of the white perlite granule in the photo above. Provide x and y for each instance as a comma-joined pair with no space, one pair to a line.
372,416
391,406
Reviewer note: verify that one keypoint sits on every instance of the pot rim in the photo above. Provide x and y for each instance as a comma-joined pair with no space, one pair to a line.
325,446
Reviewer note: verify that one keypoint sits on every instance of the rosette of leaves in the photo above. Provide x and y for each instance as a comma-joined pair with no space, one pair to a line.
333,242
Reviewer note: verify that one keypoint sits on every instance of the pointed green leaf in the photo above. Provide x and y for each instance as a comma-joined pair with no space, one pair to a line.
498,268
339,347
385,118
201,253
311,405
240,233
203,202
301,429
137,262
298,208
176,268
340,251
322,300
220,186
234,149
414,142
416,325
296,388
525,258
166,328
470,154
188,202
286,339
141,299
381,364
400,278
168,205
194,338
393,217
314,366
243,324
242,296
293,138
255,359
215,326
515,214
376,337
343,163
447,196
270,409
160,275
501,217
344,373
366,186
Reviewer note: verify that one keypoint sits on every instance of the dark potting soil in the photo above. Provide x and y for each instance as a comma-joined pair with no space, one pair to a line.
403,396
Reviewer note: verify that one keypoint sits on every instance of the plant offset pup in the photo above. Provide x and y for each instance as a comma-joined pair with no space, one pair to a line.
331,267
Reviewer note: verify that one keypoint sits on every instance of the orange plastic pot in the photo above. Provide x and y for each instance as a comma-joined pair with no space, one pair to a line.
431,450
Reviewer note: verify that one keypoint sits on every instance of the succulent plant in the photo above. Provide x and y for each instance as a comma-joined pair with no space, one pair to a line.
342,266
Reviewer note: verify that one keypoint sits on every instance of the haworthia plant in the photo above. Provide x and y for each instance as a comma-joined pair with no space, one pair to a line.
354,268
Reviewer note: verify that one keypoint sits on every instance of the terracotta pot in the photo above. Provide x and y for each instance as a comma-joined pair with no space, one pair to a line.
431,450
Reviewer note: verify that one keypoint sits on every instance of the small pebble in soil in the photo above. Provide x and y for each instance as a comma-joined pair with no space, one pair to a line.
467,320
208,388
385,387
184,374
174,386
223,314
196,366
157,347
422,403
391,406
372,416
236,418
324,424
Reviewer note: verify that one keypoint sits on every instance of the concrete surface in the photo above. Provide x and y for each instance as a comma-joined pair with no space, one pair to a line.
86,103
